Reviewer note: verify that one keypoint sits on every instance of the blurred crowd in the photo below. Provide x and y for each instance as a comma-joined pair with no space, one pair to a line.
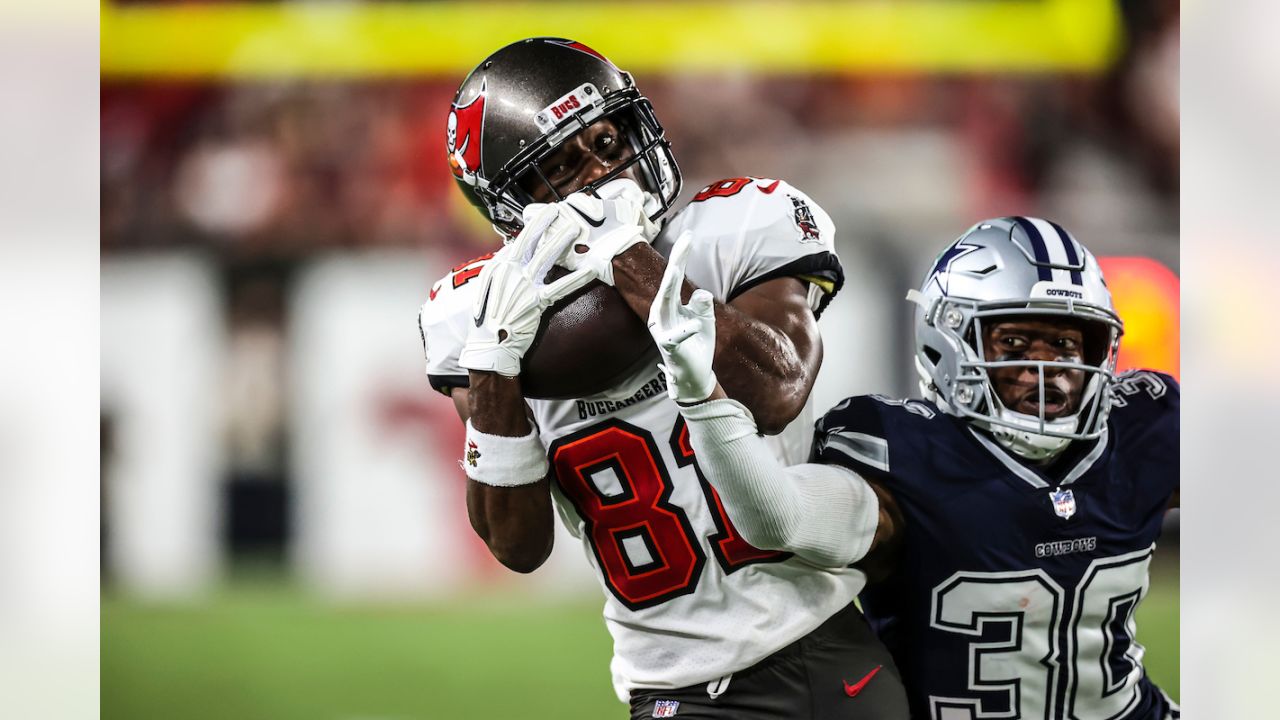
284,169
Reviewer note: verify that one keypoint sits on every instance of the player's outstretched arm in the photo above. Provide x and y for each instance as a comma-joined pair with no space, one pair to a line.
768,349
826,514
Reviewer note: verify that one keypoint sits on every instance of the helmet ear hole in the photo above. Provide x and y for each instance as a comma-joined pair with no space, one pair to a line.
934,356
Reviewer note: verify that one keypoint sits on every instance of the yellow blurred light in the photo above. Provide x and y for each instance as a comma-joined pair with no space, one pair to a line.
1145,294
345,39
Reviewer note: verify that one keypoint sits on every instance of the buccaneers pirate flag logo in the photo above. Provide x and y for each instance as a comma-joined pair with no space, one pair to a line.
462,137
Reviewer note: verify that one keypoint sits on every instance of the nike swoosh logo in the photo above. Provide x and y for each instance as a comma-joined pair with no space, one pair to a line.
854,689
768,189
484,305
592,223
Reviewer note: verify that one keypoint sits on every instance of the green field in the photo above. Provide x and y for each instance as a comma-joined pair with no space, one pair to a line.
265,651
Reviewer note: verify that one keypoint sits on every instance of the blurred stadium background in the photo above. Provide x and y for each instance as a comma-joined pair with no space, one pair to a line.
283,529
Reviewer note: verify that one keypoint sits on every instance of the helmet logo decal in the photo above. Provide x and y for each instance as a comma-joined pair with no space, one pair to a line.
581,100
564,108
1061,292
462,138
957,250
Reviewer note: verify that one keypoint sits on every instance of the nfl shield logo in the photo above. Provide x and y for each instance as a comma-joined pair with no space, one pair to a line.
1064,502
665,708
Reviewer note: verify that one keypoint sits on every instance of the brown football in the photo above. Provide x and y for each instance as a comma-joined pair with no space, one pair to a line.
587,343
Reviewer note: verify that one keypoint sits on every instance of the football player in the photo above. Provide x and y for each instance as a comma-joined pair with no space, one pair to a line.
558,149
1020,500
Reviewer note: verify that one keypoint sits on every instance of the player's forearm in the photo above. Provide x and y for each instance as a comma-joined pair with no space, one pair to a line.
761,368
516,522
637,274
497,405
824,514
756,364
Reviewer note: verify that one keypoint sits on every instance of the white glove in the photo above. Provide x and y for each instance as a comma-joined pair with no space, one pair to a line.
539,245
685,334
608,223
514,292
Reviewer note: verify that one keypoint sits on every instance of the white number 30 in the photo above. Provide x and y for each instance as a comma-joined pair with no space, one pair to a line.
1027,673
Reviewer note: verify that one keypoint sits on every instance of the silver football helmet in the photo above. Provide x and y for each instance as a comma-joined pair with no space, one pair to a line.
1006,267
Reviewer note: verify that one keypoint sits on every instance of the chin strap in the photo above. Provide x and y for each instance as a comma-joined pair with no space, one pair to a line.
1027,442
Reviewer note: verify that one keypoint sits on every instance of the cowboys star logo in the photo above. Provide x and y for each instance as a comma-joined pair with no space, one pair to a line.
942,267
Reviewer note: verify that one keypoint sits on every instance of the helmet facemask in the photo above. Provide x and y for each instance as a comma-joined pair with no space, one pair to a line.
959,375
508,192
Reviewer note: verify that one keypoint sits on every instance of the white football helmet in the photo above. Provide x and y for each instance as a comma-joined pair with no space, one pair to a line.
1006,267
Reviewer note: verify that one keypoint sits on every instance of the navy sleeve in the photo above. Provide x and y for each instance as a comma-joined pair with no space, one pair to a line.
852,435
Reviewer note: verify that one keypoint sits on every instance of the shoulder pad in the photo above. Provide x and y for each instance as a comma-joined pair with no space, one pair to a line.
867,412
852,435
1145,390
442,323
454,288
1145,409
755,230
856,433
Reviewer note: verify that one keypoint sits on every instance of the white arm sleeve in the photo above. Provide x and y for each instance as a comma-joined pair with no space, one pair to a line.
825,514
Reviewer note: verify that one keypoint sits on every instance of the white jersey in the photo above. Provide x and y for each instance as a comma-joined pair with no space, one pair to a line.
687,600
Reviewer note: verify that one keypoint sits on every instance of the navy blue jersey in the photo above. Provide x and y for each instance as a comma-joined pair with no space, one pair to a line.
1015,591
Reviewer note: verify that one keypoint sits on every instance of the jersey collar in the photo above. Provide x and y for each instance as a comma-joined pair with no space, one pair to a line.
1032,476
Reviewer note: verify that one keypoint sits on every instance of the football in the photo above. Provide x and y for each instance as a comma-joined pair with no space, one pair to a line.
588,342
